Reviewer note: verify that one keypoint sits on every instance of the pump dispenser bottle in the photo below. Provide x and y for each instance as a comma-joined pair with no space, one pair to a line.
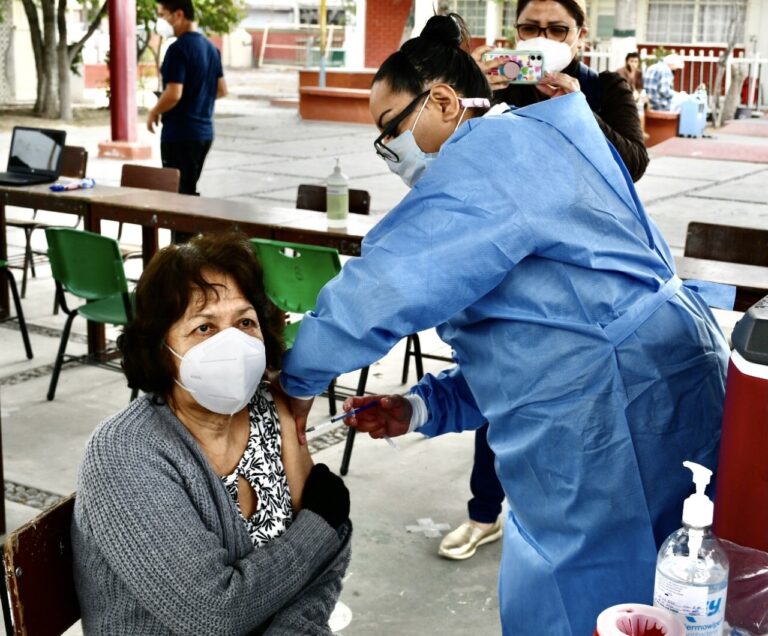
337,197
692,568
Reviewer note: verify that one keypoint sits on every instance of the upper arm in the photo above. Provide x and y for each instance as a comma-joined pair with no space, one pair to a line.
297,461
620,123
221,88
174,90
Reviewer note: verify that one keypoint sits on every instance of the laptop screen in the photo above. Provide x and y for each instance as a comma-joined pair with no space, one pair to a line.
36,151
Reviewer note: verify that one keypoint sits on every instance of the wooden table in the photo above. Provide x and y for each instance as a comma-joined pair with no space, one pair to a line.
153,210
751,281
76,202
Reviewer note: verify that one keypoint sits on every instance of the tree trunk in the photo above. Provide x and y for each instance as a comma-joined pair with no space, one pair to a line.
733,96
49,108
65,92
37,48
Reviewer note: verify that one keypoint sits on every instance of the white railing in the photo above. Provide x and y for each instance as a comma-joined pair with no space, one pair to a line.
701,68
304,48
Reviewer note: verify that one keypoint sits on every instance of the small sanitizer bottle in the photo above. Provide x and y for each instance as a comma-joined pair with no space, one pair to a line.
337,197
692,568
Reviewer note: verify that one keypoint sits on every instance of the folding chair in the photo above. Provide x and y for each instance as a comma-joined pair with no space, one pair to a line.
88,266
745,245
294,274
41,599
149,178
74,162
17,304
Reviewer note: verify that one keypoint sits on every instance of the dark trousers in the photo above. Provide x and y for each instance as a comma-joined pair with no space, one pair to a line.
188,157
487,493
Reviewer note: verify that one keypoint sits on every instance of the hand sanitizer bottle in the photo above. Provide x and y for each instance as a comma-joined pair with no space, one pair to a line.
337,197
692,568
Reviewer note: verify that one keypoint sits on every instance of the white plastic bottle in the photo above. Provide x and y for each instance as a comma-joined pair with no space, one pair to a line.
692,568
337,197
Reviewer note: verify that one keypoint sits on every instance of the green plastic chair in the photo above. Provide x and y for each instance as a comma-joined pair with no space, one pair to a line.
88,266
294,274
17,305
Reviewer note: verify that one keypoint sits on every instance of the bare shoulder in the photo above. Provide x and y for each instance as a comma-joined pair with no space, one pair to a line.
297,461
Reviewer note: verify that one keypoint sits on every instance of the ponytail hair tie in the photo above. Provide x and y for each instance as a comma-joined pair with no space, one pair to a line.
475,102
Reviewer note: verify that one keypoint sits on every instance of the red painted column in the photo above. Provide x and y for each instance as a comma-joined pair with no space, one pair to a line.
122,69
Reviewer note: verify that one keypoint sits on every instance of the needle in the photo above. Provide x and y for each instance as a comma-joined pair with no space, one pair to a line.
337,418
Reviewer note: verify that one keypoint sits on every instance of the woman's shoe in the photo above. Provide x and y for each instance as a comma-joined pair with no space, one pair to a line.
463,542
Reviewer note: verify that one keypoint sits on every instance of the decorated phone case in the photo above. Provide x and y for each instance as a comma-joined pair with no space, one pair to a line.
521,67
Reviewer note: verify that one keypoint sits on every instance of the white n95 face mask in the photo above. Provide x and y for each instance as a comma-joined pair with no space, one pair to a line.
164,28
223,372
557,55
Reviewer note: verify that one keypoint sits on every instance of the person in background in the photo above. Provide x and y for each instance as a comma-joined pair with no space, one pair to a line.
193,80
634,77
197,510
659,83
524,242
557,28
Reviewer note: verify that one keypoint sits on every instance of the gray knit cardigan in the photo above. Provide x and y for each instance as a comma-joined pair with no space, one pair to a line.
159,547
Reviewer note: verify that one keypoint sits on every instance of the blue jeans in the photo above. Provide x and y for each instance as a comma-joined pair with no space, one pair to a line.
487,493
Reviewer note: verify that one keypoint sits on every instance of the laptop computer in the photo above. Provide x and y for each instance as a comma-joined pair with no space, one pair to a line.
35,156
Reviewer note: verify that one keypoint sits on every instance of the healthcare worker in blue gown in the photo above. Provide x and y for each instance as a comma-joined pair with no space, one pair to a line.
524,242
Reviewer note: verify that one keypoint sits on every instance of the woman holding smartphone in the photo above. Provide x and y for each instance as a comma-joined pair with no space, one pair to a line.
524,242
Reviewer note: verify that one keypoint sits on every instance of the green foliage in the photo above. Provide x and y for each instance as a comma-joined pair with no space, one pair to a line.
4,6
212,16
659,53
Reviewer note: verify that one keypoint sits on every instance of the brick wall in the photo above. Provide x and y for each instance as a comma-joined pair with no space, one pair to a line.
384,24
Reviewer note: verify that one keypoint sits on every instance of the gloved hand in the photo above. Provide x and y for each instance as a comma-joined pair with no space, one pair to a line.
326,495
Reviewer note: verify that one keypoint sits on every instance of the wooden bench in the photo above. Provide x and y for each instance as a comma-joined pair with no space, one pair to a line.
660,126
335,104
337,78
726,243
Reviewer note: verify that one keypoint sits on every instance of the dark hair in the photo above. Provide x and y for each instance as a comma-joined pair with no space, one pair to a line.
631,55
164,292
435,56
574,7
179,5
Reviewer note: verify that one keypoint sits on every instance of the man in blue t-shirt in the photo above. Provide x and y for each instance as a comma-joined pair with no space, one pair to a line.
192,81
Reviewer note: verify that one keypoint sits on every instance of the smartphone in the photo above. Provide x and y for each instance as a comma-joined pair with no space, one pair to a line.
521,67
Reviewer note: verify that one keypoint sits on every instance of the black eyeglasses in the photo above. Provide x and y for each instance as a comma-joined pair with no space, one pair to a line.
557,32
390,130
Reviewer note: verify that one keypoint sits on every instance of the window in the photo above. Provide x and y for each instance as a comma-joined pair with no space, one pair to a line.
694,21
473,12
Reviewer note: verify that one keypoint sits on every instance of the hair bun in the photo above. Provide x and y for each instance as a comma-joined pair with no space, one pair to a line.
448,30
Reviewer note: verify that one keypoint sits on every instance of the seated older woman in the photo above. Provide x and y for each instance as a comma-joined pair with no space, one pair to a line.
197,510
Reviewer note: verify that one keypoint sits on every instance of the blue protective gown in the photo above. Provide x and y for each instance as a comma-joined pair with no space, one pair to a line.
526,246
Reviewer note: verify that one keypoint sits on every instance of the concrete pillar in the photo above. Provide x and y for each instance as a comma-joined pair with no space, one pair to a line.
493,16
624,37
354,37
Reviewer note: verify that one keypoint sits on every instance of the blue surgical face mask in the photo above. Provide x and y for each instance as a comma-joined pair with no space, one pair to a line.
413,160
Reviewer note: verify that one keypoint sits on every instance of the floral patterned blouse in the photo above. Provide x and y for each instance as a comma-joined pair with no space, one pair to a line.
262,467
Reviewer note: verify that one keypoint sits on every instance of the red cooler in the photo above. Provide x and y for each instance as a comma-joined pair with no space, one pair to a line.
741,496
